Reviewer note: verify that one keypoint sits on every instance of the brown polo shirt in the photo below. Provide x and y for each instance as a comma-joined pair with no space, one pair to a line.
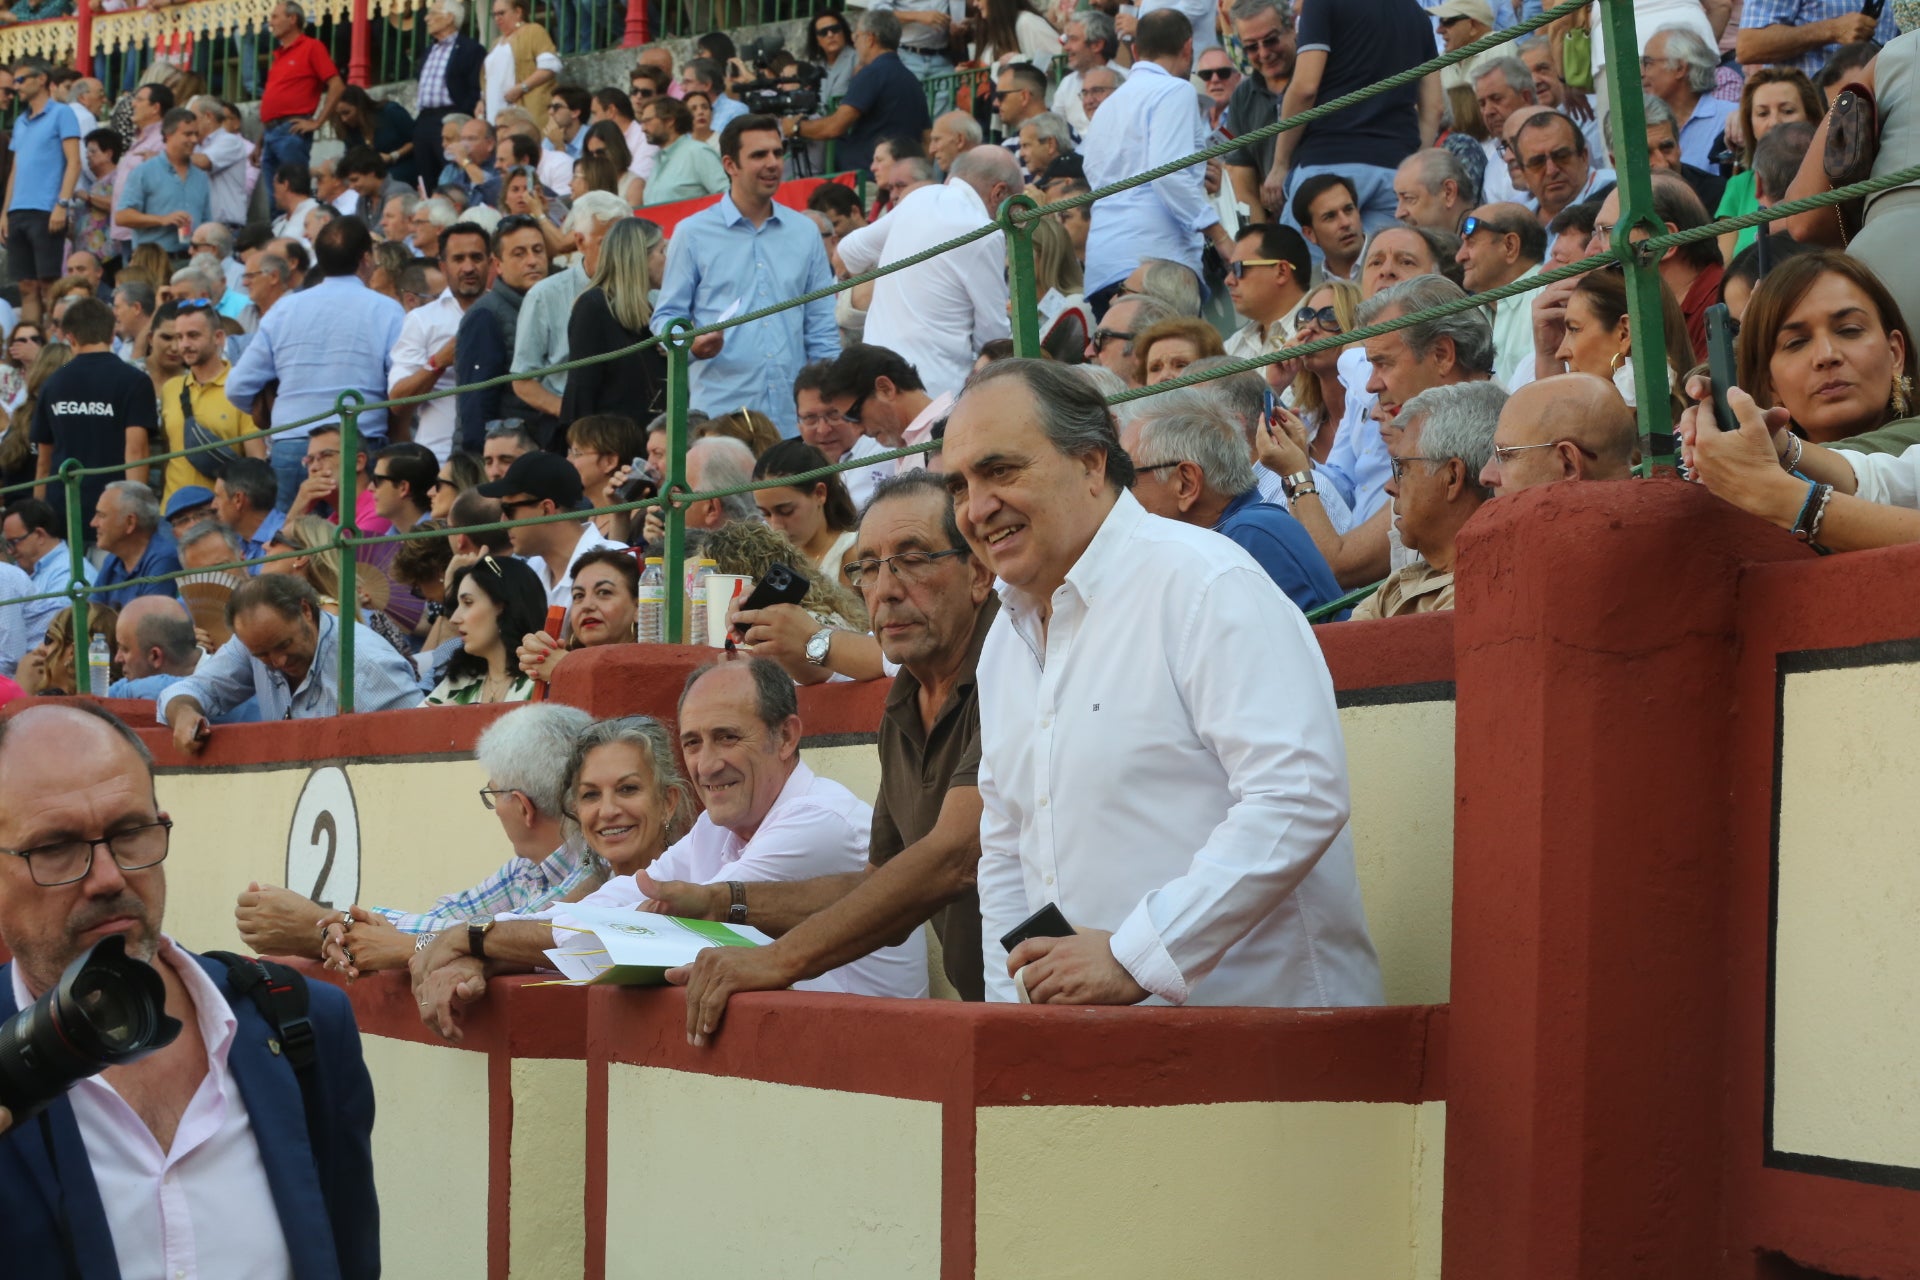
916,769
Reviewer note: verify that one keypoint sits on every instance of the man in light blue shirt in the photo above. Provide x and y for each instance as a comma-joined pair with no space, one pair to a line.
285,651
337,336
685,168
1151,119
32,533
155,645
166,197
40,182
739,256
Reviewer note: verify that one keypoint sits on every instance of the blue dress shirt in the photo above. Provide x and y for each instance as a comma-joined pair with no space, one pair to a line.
149,689
156,188
719,262
383,679
51,572
1282,547
1150,120
256,546
319,342
159,557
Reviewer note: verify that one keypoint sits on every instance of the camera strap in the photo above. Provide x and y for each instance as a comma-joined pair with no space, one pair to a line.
280,994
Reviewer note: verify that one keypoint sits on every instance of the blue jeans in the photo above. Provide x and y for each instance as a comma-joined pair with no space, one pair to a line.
289,461
924,65
1373,193
281,145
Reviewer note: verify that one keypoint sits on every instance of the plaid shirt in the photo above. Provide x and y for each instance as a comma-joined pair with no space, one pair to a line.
1802,13
519,886
433,76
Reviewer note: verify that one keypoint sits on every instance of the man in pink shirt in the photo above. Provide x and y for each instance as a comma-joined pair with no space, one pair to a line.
150,103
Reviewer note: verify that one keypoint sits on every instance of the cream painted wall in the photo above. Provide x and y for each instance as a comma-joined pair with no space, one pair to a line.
430,1157
710,1176
1308,1190
1400,770
548,1232
1847,977
857,768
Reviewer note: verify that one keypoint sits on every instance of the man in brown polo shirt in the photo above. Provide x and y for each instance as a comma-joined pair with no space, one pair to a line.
932,603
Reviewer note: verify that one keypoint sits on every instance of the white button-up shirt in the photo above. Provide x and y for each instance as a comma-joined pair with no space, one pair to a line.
427,329
202,1209
939,313
1891,479
1148,121
816,828
560,587
1164,760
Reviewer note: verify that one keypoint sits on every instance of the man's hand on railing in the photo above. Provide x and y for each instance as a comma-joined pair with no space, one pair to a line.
717,974
445,980
190,725
707,345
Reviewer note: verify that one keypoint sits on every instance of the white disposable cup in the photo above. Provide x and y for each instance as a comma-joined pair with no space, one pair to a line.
722,590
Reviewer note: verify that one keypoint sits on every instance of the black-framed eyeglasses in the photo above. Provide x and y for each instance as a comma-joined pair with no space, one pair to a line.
1326,319
1238,270
908,566
1154,466
27,337
70,861
377,479
488,793
852,412
831,29
1214,73
1101,337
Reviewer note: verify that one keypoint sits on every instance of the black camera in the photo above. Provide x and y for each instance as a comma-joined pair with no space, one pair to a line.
107,1010
794,91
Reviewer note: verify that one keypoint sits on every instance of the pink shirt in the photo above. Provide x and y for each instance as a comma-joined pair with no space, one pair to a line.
920,430
203,1209
144,148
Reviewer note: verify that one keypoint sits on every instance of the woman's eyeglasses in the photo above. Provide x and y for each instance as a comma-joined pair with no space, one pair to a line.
831,29
1325,319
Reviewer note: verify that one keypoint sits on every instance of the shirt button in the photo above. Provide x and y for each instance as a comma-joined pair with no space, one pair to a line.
1049,879
1043,802
1046,722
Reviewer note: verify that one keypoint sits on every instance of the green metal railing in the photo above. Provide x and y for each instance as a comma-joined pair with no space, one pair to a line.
1015,220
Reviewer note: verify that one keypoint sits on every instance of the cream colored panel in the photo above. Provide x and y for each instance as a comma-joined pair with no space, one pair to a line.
714,1176
1429,1182
430,1157
857,768
549,1228
1305,1190
1400,770
416,830
1847,977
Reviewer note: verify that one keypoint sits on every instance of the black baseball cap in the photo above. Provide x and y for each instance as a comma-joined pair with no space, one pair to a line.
539,475
1072,167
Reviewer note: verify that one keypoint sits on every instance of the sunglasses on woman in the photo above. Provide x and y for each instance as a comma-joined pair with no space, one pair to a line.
831,29
1326,319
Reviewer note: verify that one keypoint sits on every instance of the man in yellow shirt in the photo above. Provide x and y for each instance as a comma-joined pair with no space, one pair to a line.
204,380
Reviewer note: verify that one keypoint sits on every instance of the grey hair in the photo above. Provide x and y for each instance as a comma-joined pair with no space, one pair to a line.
921,482
221,235
1096,27
1110,384
1534,43
1172,283
170,631
441,213
1657,112
454,9
1519,79
137,500
917,169
206,104
1049,127
406,201
882,26
1457,421
1436,165
529,749
965,125
594,206
454,118
651,739
207,280
136,293
512,431
1242,10
1685,45
274,265
1072,413
1202,434
205,529
1471,330
1151,310
725,463
982,167
1242,396
775,700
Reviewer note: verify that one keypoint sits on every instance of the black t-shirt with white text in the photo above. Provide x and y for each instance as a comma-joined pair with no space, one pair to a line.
84,412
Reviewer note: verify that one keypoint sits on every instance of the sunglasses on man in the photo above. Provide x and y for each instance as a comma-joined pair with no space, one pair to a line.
1238,270
1215,73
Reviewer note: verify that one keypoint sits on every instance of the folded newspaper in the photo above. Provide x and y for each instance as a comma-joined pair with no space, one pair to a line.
622,947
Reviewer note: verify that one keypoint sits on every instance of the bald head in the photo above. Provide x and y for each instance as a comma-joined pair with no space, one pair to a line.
155,637
1515,122
992,171
1570,427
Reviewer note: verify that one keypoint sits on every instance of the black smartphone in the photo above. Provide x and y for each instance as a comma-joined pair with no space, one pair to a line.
1047,922
1720,365
1872,8
781,585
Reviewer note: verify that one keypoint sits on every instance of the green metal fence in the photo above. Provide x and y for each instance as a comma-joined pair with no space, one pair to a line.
1015,219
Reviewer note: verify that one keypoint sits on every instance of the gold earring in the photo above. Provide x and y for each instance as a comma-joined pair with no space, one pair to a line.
1619,358
1902,389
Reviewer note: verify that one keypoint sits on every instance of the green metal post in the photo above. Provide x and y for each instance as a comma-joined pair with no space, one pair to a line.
77,586
679,360
1026,301
1646,321
348,404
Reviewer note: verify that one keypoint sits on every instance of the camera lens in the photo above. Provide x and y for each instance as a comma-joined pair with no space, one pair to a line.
106,1010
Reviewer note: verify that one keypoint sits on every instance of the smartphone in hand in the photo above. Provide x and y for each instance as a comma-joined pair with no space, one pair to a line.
1720,364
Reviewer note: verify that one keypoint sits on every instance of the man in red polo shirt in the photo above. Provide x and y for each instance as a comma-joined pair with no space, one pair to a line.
302,87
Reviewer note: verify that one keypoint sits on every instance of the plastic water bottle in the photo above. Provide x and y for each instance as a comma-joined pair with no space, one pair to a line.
653,601
697,600
99,665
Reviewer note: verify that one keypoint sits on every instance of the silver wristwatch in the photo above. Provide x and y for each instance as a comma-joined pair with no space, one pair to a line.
817,646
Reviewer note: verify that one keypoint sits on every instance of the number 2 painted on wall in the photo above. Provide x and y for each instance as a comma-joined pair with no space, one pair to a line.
323,843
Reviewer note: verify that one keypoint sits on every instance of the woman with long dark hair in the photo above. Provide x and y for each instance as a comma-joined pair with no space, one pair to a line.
496,601
361,119
818,518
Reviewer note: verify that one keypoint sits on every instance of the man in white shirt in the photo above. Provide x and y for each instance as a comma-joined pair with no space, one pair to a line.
543,484
939,313
768,817
1150,120
823,427
1195,830
223,155
423,359
201,1153
1089,41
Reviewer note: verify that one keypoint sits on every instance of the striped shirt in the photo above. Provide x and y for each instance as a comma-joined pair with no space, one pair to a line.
518,886
433,75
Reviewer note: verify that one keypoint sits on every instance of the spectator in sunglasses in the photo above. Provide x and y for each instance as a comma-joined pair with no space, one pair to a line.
1218,79
1267,276
830,47
1499,244
1552,155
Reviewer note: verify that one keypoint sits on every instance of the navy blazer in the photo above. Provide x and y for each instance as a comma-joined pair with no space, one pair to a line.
323,1190
463,72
